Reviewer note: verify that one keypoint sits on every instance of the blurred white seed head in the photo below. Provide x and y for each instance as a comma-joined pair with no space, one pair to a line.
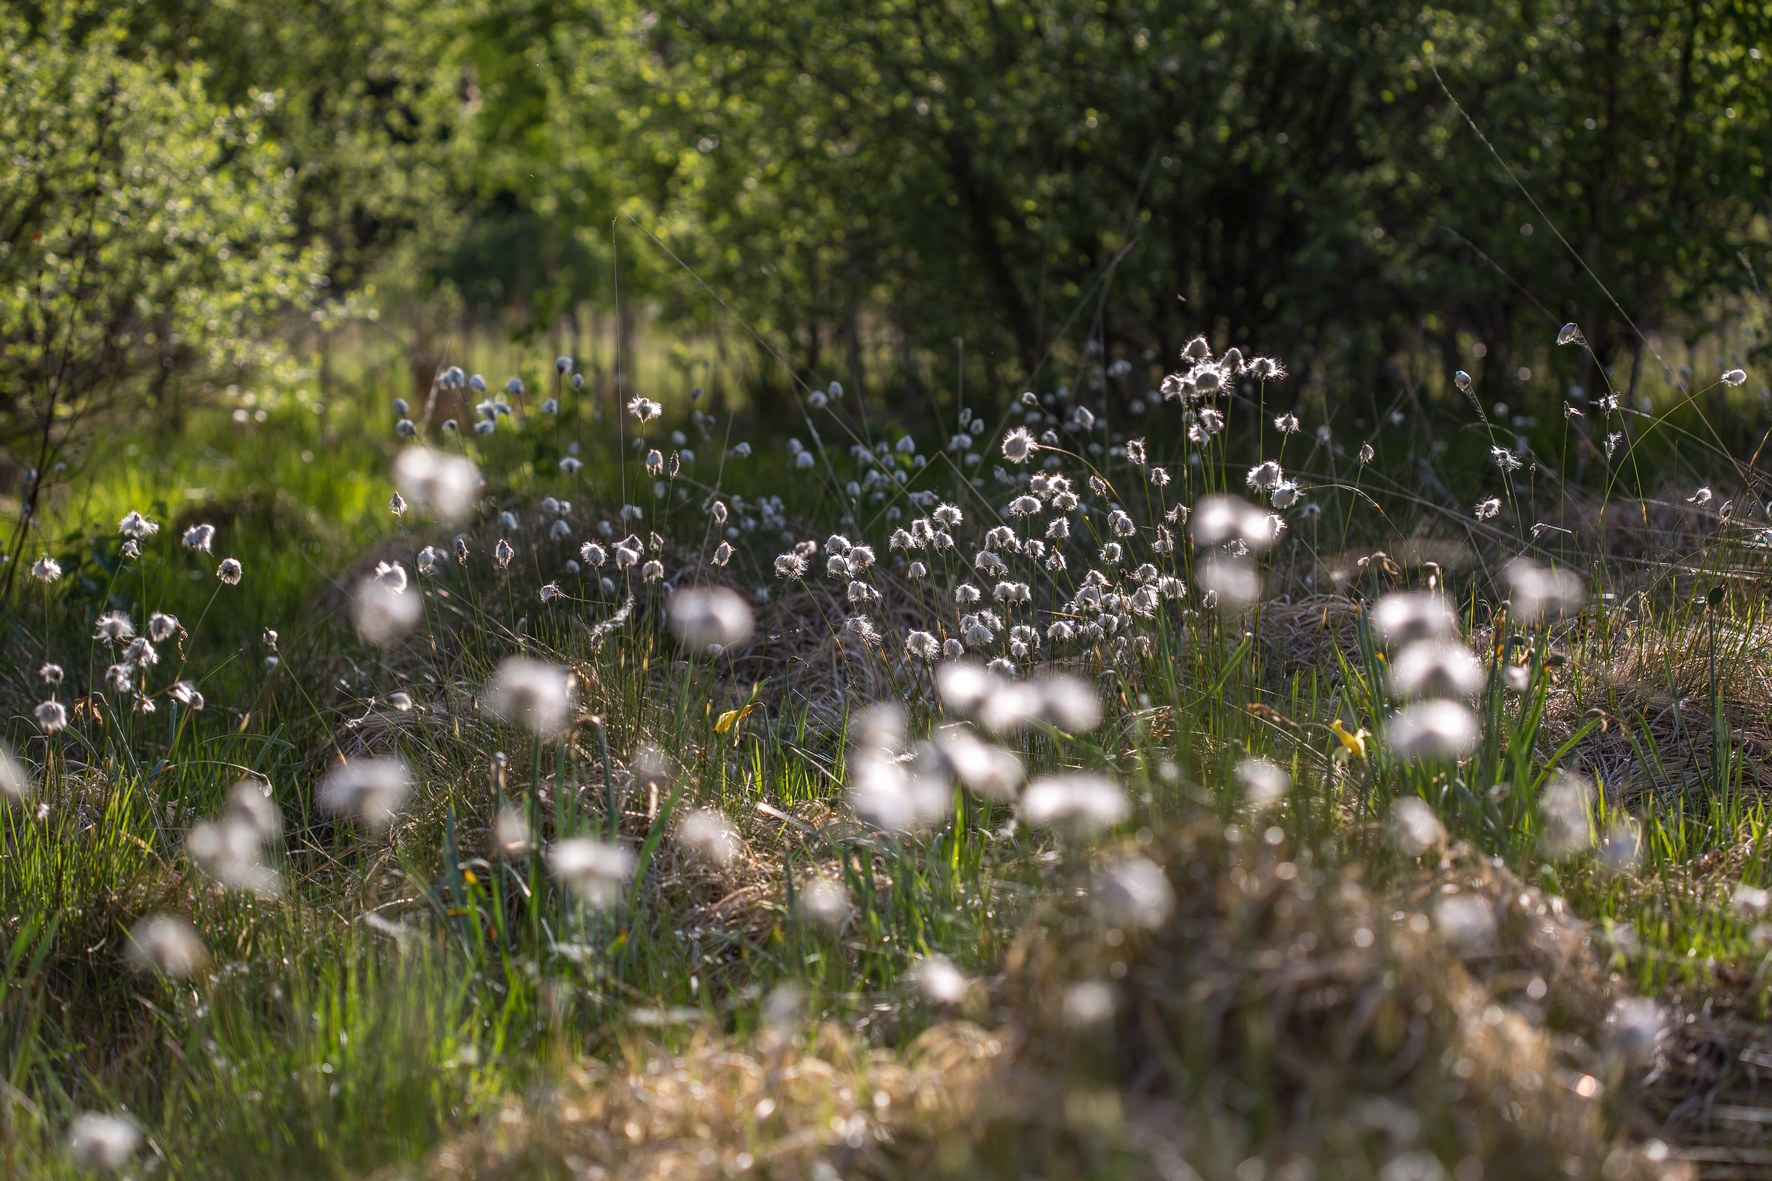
199,538
984,768
885,790
824,902
1076,803
103,1143
1750,902
1414,826
940,982
1088,1003
15,782
1543,592
1466,921
703,617
1565,815
532,692
167,945
1264,782
1436,668
249,803
597,872
437,482
1133,892
1637,1026
1219,520
1409,617
708,834
510,832
1432,732
1228,583
383,612
371,789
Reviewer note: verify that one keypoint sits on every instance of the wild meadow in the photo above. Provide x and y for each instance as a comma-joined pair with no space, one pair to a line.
802,589
530,783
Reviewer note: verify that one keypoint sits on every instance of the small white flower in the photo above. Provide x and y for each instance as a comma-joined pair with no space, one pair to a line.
46,569
1734,377
229,571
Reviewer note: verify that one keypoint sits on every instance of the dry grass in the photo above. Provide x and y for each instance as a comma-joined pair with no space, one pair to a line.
814,1107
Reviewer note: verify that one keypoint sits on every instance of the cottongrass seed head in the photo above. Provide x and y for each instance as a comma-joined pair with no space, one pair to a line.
534,693
1077,804
103,1143
167,945
707,617
596,872
371,789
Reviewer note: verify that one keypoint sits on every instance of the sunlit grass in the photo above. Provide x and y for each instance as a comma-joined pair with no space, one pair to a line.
428,963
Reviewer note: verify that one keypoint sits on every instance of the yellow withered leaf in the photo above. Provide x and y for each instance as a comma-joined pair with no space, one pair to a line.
733,717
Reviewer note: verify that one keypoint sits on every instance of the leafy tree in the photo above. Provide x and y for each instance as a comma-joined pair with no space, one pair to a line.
145,233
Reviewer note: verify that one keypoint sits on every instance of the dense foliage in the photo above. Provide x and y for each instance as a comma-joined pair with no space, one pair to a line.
894,189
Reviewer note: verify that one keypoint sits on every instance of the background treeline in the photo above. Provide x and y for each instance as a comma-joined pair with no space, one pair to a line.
190,184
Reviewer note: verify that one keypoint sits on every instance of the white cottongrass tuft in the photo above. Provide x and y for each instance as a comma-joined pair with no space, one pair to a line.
1436,668
939,981
597,872
137,527
1078,803
708,617
383,611
15,781
1565,815
1220,519
437,483
103,1143
1734,377
46,569
1637,1026
51,716
1264,782
1019,445
824,902
113,628
230,571
1432,732
1133,892
1466,921
1543,592
884,790
984,768
1415,827
709,835
510,833
167,945
371,789
1411,616
532,692
199,538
